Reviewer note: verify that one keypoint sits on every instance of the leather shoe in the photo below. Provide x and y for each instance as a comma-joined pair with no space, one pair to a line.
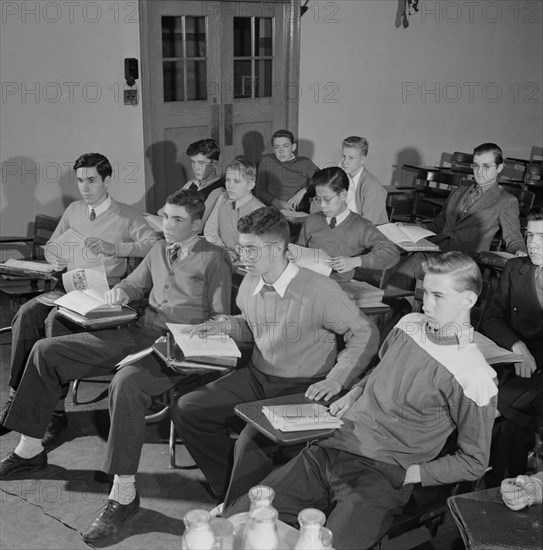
13,463
58,425
112,517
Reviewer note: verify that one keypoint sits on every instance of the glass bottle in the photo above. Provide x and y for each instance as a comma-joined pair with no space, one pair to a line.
261,495
261,531
311,520
198,534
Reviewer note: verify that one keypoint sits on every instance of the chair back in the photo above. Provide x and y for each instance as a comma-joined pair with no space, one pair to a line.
534,173
461,162
44,226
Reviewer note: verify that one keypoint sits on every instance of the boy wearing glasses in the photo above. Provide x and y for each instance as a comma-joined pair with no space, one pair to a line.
283,178
471,217
237,201
292,315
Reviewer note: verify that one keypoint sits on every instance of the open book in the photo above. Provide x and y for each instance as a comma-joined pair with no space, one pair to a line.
154,221
85,297
71,247
25,267
409,237
362,293
310,258
300,417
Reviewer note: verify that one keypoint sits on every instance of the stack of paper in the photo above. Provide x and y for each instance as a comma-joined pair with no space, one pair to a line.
305,416
22,267
411,238
363,294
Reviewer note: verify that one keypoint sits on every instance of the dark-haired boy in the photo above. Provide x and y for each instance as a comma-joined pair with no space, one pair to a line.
431,380
283,178
114,232
189,281
292,315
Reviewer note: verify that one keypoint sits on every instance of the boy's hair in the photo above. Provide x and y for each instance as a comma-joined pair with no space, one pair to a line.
95,160
207,147
268,223
334,177
465,272
246,168
356,142
191,200
535,214
284,134
490,148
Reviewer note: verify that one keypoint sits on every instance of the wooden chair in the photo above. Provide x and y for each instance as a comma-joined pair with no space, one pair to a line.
533,181
461,162
19,289
526,201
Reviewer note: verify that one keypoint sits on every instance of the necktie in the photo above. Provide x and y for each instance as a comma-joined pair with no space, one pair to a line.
470,198
193,187
233,205
267,288
332,223
92,215
173,253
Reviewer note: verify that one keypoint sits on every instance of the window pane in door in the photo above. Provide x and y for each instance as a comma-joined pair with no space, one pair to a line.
172,36
196,80
242,36
243,79
263,36
173,81
195,28
263,78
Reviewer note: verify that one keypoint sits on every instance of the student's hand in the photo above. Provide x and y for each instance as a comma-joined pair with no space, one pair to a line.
521,491
212,327
116,296
59,264
295,200
282,205
527,367
99,246
325,389
342,264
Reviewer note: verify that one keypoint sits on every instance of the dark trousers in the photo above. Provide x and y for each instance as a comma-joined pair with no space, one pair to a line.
54,362
359,495
202,418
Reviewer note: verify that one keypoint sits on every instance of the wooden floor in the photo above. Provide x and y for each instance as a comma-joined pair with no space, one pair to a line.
49,510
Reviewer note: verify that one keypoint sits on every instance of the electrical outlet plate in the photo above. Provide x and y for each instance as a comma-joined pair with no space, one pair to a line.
130,97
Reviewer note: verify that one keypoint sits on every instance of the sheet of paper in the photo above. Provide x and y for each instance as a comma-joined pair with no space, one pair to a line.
87,278
219,345
154,221
401,233
70,246
310,258
32,266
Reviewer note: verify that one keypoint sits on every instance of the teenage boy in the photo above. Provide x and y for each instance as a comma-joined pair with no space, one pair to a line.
189,281
113,231
471,217
366,195
513,318
431,380
283,178
237,201
292,315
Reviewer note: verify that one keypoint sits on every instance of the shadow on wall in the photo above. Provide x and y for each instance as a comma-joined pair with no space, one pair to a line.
408,155
253,147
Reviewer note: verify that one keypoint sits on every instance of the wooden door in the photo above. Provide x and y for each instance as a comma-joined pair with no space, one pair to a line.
225,70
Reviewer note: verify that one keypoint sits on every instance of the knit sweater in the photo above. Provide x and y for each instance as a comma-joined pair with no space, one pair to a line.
120,224
281,180
294,335
222,225
422,390
354,236
194,289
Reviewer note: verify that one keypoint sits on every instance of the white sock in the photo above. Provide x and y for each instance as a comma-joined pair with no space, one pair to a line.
124,489
28,447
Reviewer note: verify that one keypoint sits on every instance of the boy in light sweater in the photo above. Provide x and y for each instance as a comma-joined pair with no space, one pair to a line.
283,178
237,201
113,231
292,315
431,380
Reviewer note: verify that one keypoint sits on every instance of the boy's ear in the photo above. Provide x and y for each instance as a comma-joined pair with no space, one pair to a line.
197,225
470,299
107,181
294,145
251,184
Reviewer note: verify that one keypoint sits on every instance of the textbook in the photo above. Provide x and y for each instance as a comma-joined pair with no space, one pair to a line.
25,268
101,320
86,288
411,238
493,353
362,293
310,258
300,417
71,247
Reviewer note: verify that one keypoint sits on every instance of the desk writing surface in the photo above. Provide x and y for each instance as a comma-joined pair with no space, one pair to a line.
252,413
486,523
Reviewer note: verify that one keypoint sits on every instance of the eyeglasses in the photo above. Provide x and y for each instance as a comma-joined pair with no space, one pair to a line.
250,251
324,200
484,167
